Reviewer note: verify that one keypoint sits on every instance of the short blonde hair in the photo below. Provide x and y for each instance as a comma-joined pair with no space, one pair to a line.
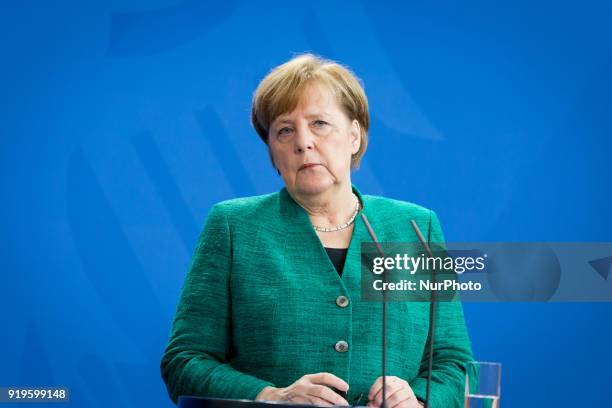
279,92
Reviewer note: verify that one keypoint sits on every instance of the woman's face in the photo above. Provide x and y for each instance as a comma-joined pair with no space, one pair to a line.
312,146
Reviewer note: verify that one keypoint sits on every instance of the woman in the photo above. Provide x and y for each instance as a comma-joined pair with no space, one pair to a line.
270,309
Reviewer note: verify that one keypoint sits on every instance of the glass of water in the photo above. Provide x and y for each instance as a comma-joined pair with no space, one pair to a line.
482,384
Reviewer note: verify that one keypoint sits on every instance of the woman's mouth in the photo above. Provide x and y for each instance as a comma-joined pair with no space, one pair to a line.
308,165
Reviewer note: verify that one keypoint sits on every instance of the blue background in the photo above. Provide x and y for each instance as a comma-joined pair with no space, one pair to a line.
124,121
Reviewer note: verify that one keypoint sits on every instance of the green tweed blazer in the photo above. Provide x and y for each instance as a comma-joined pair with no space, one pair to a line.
258,307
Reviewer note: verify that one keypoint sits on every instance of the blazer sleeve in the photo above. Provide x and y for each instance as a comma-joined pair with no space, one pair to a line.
452,348
195,361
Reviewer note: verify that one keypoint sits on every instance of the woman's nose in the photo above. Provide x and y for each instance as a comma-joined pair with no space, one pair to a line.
304,140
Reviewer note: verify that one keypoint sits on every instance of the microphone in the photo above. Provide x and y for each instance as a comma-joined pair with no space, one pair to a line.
384,315
432,313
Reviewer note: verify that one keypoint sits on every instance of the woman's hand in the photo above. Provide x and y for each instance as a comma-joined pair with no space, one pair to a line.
399,394
310,389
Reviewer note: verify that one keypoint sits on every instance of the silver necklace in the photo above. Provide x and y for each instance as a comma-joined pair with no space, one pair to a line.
343,225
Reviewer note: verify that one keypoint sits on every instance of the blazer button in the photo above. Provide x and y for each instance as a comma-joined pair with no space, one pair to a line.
342,301
341,346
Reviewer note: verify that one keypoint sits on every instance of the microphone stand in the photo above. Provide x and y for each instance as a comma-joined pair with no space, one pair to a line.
384,316
432,313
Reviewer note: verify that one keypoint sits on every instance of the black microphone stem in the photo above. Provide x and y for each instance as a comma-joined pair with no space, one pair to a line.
432,314
384,322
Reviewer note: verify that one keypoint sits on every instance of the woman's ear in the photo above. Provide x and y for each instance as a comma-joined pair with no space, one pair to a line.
355,136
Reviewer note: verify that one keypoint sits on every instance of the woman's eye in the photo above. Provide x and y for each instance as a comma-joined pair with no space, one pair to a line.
284,131
320,123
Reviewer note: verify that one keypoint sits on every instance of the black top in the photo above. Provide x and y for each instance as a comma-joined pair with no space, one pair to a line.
337,256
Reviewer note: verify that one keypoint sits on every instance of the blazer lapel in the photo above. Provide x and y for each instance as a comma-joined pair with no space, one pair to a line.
303,245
